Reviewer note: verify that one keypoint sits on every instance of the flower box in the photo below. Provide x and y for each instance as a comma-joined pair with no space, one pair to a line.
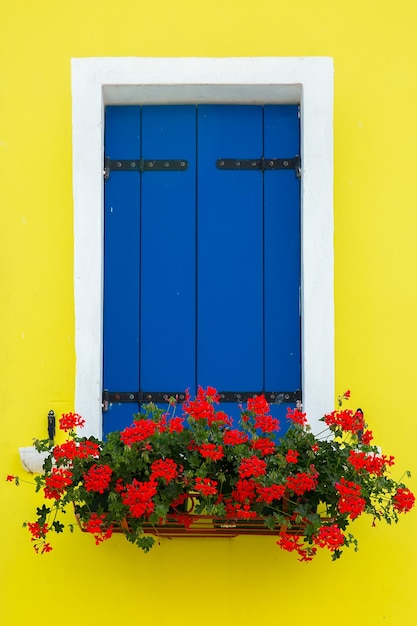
196,475
208,526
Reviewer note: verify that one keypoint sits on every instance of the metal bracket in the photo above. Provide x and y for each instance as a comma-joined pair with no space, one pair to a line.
273,397
140,397
51,425
142,165
261,164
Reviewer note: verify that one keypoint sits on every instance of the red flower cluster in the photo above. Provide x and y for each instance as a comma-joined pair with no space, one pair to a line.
330,537
139,431
221,418
70,450
351,500
138,497
258,404
56,483
211,451
263,445
271,493
296,416
176,425
302,482
96,526
291,543
367,437
403,500
244,512
371,463
292,456
244,491
185,519
252,466
210,393
36,530
347,420
206,486
70,421
98,478
235,437
248,491
164,468
266,423
202,407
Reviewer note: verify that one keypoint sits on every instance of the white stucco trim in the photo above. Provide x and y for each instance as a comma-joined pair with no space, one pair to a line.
307,81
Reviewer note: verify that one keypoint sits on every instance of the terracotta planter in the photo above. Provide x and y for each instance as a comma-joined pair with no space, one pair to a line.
192,525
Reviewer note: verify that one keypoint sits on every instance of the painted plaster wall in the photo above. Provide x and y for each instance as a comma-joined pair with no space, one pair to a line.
239,581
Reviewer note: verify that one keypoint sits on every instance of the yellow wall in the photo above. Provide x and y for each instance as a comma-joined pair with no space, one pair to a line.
240,581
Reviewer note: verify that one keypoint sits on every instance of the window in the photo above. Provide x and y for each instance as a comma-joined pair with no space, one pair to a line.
307,82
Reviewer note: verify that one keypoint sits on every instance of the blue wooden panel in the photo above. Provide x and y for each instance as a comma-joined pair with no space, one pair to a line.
282,252
202,267
230,256
168,248
121,264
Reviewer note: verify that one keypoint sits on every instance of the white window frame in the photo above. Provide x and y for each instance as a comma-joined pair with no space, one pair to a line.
308,81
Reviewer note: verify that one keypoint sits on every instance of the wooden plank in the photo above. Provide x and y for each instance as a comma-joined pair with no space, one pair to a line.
282,252
121,287
230,240
168,233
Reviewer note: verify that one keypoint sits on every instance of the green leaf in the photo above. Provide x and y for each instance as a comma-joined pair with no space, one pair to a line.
57,526
43,513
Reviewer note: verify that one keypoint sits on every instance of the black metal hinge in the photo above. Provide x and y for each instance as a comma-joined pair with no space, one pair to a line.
261,164
143,165
140,397
273,397
157,397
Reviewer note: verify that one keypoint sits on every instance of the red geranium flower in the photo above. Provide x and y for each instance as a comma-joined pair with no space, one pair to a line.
206,486
296,416
98,478
330,537
56,482
252,466
403,500
235,437
351,500
292,456
164,468
264,445
211,451
139,431
70,421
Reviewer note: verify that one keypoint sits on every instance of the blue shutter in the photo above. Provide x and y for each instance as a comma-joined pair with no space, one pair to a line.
121,263
202,267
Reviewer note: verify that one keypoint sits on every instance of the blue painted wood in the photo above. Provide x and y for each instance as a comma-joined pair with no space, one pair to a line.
230,256
282,253
212,256
168,252
121,265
